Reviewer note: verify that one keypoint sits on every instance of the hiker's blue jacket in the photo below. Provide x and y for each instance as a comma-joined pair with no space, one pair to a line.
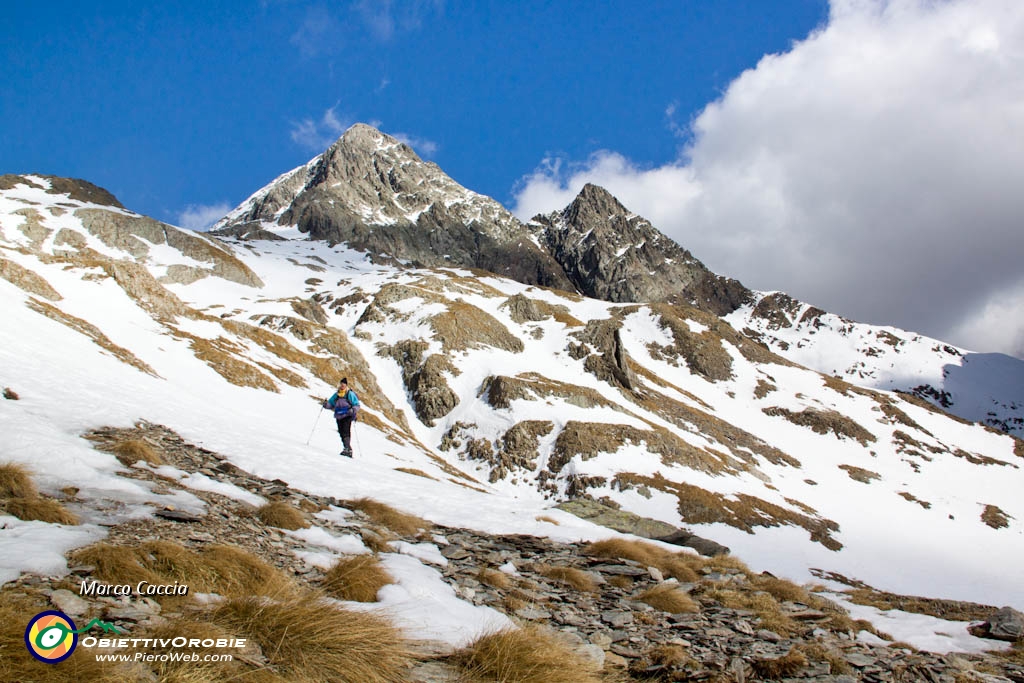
344,406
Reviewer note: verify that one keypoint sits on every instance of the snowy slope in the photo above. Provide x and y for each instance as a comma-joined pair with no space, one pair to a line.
653,407
975,386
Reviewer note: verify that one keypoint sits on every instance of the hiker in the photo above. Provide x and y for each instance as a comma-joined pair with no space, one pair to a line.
346,411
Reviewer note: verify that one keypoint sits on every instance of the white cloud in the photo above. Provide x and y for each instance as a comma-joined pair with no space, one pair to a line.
423,146
387,18
318,135
874,169
201,217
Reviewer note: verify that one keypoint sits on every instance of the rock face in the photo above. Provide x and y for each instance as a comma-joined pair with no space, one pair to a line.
373,192
612,254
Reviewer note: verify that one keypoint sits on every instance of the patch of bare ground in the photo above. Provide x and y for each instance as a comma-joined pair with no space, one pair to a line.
523,309
993,516
92,332
702,351
916,400
499,391
952,610
32,228
221,354
27,280
860,474
742,511
763,388
1018,447
587,439
824,422
752,350
658,381
978,459
464,326
913,499
741,444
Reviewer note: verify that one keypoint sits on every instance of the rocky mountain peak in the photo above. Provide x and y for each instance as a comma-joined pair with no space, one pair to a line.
373,192
594,202
611,253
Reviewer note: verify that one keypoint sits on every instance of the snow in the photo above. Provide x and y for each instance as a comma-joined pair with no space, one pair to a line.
427,608
69,386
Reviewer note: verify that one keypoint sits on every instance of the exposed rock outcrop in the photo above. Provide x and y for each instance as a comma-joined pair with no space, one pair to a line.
611,253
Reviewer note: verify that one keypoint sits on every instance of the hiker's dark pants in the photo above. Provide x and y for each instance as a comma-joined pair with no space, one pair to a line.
345,430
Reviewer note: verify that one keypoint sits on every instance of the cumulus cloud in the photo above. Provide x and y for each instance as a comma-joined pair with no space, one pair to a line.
317,135
387,18
201,217
873,169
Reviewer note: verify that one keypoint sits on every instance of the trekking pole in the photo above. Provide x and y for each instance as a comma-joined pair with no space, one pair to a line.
314,425
359,446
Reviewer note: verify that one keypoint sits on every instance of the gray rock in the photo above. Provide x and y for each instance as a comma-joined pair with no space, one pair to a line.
1006,624
532,613
69,603
617,618
593,654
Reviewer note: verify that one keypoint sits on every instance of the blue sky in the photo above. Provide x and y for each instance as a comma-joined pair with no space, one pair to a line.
865,156
196,103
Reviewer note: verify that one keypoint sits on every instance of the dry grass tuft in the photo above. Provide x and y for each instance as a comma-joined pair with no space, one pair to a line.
305,639
221,569
356,578
787,665
10,394
668,598
282,515
763,604
39,509
16,664
570,576
820,653
412,470
545,518
623,582
680,566
526,655
132,451
16,481
401,523
494,578
782,590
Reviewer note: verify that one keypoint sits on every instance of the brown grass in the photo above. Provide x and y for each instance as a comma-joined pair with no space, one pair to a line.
951,610
399,522
570,576
787,665
782,589
308,640
418,473
356,578
545,518
131,451
860,474
995,517
494,578
282,515
742,511
16,481
16,664
221,569
668,598
623,582
526,655
820,653
824,422
39,509
763,604
11,394
90,331
680,566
